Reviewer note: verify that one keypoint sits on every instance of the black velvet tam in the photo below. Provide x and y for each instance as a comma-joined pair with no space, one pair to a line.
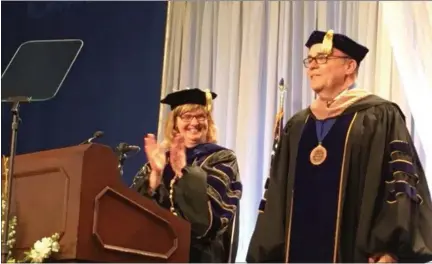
187,96
342,43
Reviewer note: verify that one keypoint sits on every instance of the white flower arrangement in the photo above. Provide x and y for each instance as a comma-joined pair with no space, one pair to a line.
12,225
41,250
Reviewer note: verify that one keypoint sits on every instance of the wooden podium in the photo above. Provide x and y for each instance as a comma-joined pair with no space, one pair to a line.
77,192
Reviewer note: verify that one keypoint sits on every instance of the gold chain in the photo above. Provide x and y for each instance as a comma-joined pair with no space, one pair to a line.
171,195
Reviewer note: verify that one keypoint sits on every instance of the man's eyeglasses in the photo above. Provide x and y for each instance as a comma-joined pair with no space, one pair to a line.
188,117
321,59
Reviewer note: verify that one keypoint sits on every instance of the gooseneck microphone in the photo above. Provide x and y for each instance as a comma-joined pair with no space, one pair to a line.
97,134
122,149
125,148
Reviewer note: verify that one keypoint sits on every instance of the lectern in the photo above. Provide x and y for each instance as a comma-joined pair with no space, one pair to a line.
77,192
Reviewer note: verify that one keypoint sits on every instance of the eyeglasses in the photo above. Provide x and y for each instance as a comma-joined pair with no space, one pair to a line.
321,59
188,117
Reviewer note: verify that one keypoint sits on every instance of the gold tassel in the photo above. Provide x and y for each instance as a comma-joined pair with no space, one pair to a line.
327,44
209,100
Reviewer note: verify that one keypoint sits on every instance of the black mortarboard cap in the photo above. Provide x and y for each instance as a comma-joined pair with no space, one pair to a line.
190,96
340,42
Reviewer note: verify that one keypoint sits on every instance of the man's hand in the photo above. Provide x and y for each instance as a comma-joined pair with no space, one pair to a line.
382,258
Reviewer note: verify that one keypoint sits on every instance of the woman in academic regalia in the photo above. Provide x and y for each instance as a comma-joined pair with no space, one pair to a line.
193,177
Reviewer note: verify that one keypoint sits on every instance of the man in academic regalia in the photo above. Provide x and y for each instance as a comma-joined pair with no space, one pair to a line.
346,184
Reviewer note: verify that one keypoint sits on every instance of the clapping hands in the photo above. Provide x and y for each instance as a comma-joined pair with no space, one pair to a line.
178,155
155,153
157,158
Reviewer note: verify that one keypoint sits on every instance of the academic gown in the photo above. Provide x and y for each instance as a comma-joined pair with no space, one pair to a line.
207,196
368,197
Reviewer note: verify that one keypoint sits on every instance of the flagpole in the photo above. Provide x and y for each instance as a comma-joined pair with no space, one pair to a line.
276,136
280,111
282,90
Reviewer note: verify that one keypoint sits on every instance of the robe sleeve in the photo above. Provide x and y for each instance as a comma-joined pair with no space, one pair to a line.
140,184
268,238
403,226
208,194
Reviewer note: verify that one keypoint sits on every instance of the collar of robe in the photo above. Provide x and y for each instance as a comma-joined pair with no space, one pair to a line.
328,109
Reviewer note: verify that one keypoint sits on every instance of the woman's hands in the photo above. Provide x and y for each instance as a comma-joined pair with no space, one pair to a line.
157,159
178,155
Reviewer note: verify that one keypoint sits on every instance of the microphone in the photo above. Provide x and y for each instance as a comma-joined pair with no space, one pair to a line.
96,135
121,150
125,148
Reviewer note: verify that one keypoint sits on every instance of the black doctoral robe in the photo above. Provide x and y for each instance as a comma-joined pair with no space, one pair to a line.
370,195
208,196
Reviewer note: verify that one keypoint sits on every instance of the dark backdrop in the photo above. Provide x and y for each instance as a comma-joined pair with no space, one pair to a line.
114,84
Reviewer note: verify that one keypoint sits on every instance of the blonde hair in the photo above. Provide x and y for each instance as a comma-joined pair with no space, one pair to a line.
171,128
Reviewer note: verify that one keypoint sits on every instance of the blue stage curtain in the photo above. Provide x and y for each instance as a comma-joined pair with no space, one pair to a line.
114,85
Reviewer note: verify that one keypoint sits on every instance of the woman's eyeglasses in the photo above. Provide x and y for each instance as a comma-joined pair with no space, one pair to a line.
188,117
